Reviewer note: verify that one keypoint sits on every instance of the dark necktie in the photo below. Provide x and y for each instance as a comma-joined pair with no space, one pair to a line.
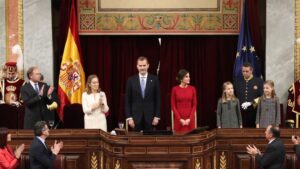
36,88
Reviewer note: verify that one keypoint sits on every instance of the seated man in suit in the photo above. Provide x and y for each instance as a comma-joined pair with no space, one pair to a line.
274,155
296,141
40,155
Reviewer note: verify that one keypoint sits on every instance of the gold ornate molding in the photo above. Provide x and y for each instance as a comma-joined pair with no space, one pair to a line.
6,28
94,161
197,164
101,160
223,161
215,160
20,24
297,43
117,165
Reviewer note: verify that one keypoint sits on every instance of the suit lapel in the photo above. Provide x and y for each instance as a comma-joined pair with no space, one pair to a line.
30,87
138,85
148,84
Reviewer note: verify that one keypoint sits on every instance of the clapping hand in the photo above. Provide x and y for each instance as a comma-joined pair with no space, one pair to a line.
296,140
41,92
57,146
50,90
19,151
252,150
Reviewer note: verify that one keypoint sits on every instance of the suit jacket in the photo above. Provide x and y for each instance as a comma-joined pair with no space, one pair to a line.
298,151
35,105
40,156
7,158
273,157
138,107
248,90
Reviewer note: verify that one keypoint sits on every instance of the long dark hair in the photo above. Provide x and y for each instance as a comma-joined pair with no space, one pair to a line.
3,137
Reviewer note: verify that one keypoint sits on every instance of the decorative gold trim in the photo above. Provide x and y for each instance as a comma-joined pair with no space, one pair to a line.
223,161
94,161
297,42
117,165
101,160
197,164
215,160
20,24
6,27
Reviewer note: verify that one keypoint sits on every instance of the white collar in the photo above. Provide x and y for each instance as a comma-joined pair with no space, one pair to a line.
143,76
41,139
271,140
33,83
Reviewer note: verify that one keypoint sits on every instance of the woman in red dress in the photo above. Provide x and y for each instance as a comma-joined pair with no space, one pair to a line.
183,103
8,158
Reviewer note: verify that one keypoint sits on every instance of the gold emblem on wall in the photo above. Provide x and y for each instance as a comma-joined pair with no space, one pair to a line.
117,165
94,161
223,161
197,164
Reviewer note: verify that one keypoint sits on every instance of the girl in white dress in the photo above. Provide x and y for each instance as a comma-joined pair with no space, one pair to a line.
94,105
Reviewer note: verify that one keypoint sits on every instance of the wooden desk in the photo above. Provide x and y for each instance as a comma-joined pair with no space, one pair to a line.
220,148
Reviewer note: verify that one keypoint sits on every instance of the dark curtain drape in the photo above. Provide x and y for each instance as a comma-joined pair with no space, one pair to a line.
209,59
113,59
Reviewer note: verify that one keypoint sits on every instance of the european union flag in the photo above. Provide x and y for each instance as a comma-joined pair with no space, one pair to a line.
245,49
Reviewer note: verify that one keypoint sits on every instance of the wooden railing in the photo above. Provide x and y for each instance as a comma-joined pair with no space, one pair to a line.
215,149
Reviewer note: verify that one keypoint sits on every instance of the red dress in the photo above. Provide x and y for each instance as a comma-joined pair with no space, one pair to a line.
184,104
7,158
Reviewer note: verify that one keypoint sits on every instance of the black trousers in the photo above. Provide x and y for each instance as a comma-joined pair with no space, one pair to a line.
143,125
249,117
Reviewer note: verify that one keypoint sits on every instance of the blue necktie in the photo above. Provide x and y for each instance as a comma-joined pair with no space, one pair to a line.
36,88
143,85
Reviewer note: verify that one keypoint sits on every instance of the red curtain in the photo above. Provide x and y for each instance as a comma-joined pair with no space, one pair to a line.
113,59
209,59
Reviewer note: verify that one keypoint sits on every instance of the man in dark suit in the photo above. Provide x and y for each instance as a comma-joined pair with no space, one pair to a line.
248,89
274,155
142,98
36,95
296,141
41,157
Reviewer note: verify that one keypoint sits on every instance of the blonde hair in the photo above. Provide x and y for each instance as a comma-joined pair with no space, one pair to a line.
271,84
224,97
88,88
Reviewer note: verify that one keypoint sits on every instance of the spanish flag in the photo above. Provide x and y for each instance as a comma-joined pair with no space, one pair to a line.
71,81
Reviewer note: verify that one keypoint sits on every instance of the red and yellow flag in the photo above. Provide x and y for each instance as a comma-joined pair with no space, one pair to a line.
71,81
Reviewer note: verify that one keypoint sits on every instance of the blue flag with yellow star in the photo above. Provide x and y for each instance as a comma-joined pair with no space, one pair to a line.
245,49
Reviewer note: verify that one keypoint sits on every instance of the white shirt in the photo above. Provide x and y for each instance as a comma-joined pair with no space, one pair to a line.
144,77
271,140
33,84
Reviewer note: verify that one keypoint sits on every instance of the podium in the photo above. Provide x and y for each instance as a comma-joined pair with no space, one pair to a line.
217,148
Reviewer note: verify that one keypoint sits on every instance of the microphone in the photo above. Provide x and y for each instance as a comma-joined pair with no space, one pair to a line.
59,122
